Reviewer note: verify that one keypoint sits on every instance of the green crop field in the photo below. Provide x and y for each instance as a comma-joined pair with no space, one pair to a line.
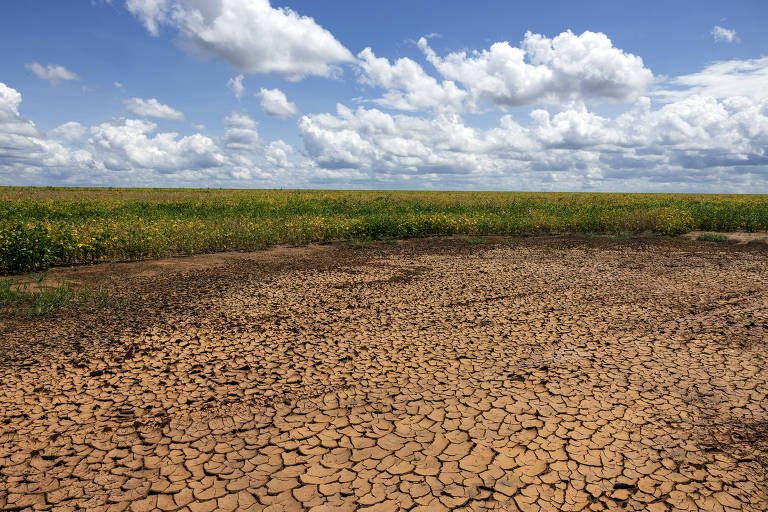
42,227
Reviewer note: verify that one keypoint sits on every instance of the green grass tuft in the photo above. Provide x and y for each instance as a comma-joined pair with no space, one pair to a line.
711,237
359,243
32,298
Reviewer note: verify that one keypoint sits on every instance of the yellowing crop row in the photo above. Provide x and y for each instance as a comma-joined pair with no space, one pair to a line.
41,227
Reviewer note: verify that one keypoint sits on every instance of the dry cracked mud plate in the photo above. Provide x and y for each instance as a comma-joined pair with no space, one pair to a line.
519,374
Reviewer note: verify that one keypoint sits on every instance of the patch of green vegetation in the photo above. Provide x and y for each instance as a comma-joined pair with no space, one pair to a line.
712,237
33,298
473,240
359,243
48,226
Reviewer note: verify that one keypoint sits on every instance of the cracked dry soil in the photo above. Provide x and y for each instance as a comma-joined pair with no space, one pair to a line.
517,374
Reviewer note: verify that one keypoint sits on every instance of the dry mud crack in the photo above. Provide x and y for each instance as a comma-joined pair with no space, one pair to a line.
518,374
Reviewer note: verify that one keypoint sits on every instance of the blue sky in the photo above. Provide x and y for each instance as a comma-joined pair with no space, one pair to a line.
600,95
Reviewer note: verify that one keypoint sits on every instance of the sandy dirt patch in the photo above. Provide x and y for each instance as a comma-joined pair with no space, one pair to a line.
737,237
513,374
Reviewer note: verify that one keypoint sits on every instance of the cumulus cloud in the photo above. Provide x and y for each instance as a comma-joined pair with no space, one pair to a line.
250,34
151,108
128,144
682,144
11,120
566,69
23,149
562,69
275,104
133,152
235,85
242,133
71,132
151,13
374,141
722,34
134,146
722,79
706,135
276,153
408,86
53,73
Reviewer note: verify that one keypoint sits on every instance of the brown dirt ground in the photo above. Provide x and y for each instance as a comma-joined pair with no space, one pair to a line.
516,374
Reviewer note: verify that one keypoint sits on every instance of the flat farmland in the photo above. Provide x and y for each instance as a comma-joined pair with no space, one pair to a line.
498,373
41,227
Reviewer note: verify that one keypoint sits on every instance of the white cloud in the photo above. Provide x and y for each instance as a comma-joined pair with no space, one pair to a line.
724,34
698,142
563,69
134,146
23,150
277,152
241,134
250,34
376,142
235,85
151,12
274,103
71,132
131,152
151,108
703,137
722,79
128,144
11,120
53,73
118,85
408,86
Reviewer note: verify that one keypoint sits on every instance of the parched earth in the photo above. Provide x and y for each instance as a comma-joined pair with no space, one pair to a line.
513,374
